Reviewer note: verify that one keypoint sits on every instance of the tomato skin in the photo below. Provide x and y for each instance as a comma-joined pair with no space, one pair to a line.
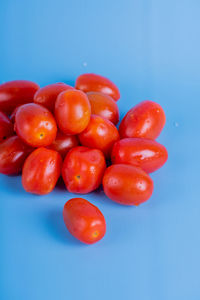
16,92
100,134
35,125
104,106
63,143
84,220
13,114
127,184
6,127
147,154
83,169
47,95
145,120
13,152
90,82
41,171
72,111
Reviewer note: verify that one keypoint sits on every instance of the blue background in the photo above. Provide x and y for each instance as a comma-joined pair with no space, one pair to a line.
151,50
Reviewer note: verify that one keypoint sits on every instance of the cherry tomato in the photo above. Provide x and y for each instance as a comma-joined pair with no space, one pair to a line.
72,111
6,127
97,83
15,93
13,153
127,184
84,220
41,171
35,125
47,95
144,153
104,106
100,134
83,169
145,120
63,143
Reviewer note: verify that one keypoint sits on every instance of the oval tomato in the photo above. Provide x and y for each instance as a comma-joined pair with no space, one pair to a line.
6,127
15,93
145,120
35,125
84,220
104,106
144,153
47,95
41,171
127,184
13,153
83,169
63,143
72,111
96,83
100,134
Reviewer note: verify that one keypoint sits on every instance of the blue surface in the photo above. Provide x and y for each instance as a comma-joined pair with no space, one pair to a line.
150,49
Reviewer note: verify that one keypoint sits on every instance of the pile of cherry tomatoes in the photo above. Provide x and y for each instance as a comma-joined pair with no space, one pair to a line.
61,130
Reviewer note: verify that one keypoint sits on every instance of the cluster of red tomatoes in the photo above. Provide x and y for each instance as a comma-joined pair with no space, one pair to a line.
59,129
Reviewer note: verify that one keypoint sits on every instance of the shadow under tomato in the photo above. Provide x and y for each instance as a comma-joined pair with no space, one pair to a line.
58,230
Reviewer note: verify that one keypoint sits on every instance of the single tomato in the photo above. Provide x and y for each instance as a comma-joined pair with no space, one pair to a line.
84,220
35,125
90,82
83,169
47,95
41,171
127,184
145,120
72,111
144,153
104,106
6,127
63,143
13,152
100,134
15,93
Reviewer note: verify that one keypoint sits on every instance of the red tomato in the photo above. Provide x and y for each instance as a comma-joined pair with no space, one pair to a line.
13,153
41,171
100,134
6,127
144,153
84,220
35,125
104,106
15,93
47,95
72,111
127,184
83,169
97,83
145,120
63,143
